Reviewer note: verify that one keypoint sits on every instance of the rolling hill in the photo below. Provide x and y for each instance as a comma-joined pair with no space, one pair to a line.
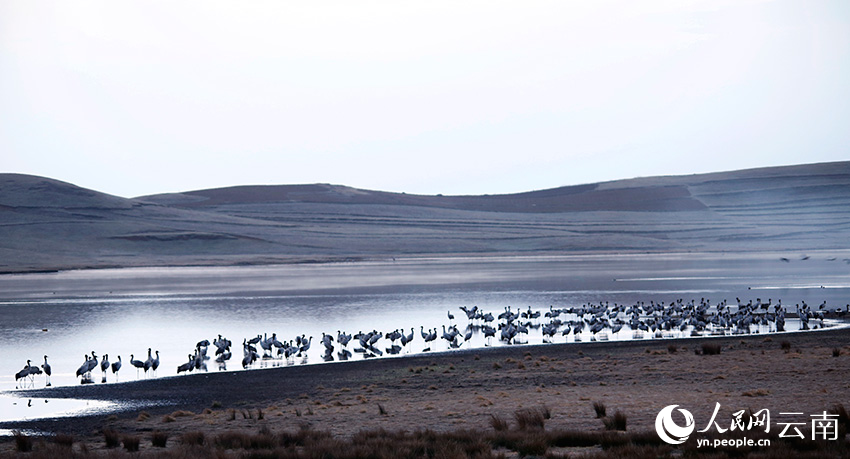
47,224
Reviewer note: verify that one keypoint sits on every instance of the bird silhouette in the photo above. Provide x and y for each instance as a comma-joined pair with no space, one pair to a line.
115,367
24,373
138,364
104,365
155,363
47,372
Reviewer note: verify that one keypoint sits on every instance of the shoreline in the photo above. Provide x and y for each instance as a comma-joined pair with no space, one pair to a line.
435,380
66,391
250,261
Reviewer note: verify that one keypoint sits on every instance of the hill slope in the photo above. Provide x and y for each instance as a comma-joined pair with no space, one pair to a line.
48,224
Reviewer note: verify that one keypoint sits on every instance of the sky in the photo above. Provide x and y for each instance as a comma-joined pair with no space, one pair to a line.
451,97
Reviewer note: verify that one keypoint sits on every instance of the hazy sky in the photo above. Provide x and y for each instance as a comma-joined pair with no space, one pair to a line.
452,97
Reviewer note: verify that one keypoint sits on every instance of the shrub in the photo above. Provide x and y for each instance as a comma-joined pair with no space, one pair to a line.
671,349
786,346
836,352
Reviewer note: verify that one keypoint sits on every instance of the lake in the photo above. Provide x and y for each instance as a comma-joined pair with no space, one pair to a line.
67,315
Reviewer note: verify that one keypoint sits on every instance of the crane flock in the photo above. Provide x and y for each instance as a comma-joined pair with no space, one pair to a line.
593,321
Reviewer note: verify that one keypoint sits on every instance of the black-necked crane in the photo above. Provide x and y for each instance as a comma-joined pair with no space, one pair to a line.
155,363
86,368
138,364
148,362
115,367
188,366
104,365
24,373
46,367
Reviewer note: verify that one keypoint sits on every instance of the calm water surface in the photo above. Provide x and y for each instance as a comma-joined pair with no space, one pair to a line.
126,311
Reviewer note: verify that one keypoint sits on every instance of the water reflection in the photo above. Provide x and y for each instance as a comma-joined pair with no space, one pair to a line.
27,409
119,313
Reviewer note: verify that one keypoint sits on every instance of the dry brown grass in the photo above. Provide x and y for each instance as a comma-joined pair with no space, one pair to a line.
23,442
532,418
131,442
159,439
192,438
615,422
599,409
112,438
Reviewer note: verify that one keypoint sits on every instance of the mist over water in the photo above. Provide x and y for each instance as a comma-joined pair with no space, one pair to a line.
126,311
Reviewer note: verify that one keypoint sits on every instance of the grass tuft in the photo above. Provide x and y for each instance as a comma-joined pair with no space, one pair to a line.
131,443
499,424
23,442
64,440
159,439
531,418
616,422
192,438
710,349
599,408
113,440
